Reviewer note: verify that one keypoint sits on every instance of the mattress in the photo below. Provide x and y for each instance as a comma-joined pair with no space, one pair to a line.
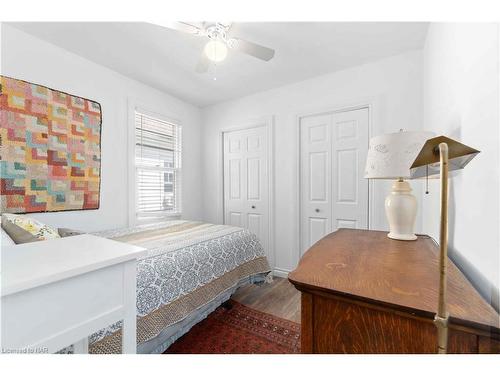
189,269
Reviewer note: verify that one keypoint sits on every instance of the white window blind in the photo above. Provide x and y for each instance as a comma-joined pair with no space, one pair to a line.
158,166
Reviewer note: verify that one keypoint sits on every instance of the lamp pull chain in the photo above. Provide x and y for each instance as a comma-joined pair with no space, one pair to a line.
427,179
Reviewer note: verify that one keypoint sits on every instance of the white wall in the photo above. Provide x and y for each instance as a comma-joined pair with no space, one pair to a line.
461,100
392,86
455,80
31,59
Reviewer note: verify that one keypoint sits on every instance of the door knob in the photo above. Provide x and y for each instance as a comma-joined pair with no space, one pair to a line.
253,206
317,210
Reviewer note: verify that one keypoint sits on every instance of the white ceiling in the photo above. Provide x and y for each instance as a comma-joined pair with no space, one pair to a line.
166,59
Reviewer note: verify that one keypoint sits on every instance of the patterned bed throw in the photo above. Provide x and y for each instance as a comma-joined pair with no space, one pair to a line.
187,266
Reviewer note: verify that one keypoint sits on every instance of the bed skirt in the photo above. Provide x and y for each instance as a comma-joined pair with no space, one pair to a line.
170,334
159,329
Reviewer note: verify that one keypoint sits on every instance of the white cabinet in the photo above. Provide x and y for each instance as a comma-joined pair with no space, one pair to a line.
56,293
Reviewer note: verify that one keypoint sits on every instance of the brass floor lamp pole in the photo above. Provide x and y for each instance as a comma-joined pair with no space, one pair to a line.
452,155
441,318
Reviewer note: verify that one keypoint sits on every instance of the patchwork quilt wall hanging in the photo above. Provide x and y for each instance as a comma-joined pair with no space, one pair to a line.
50,149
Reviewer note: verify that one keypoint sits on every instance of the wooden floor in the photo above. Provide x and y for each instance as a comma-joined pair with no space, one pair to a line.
279,298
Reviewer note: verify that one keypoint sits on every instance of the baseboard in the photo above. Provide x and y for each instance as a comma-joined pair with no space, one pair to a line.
280,272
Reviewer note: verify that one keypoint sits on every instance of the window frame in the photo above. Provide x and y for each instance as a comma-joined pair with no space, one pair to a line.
134,218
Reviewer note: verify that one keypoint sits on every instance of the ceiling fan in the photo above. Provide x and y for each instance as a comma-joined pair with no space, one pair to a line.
219,41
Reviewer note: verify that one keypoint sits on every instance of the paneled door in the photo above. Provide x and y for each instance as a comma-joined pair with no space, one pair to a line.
246,181
316,178
334,193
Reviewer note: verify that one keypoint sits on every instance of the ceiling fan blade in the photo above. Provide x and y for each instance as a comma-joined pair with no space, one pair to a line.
185,28
255,50
203,64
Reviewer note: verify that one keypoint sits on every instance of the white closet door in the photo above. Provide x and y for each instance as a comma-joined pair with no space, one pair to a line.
350,189
316,207
246,184
334,193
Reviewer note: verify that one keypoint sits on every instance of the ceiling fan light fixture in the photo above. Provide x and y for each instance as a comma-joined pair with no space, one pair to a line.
216,50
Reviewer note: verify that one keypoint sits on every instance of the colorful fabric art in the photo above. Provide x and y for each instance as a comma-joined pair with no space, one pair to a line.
50,149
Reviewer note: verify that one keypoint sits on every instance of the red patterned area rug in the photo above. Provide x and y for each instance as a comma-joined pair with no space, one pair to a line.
239,330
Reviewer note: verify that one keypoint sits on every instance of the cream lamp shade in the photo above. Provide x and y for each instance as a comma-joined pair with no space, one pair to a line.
390,156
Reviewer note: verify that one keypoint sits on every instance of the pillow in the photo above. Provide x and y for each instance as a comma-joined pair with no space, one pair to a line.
19,226
66,232
16,233
6,239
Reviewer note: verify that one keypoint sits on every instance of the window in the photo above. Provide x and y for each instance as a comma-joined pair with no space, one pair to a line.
157,165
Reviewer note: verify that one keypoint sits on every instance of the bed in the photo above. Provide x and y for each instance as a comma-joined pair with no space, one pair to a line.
189,270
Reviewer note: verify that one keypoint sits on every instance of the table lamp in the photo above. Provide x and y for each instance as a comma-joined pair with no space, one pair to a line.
438,156
390,157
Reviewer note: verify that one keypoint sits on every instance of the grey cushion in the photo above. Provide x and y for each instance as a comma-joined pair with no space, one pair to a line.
67,232
18,234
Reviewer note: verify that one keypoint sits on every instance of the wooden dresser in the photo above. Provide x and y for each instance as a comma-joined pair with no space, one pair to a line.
365,293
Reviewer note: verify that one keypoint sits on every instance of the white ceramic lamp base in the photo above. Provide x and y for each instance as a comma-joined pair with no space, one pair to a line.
401,211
